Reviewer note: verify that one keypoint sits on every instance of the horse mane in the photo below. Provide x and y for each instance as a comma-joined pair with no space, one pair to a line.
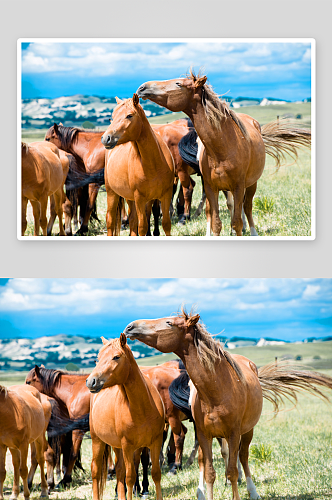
50,378
3,389
216,110
68,135
209,350
24,148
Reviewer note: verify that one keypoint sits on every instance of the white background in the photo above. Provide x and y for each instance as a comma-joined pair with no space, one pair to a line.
176,18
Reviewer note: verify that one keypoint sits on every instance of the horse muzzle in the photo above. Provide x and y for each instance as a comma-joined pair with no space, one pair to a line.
94,385
109,141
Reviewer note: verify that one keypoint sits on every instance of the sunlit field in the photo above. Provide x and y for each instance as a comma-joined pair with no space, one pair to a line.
282,204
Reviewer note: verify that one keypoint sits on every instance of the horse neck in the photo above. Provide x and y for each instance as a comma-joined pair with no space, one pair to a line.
136,389
148,146
80,145
215,141
208,384
63,390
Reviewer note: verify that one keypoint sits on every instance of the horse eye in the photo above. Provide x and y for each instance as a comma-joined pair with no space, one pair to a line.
28,382
178,84
129,116
116,357
169,323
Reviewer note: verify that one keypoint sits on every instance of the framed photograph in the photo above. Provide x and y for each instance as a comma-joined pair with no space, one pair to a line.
188,138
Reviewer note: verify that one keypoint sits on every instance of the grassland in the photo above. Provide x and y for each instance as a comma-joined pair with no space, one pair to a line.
282,204
290,456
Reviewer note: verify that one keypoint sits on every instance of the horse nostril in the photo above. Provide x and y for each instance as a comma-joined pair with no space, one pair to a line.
141,88
94,382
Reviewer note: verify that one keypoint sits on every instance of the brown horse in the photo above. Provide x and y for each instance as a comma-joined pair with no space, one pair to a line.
139,168
70,391
22,423
235,145
126,413
230,390
42,176
85,145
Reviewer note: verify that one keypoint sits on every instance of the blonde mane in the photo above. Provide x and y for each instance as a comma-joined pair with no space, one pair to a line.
216,110
3,389
209,350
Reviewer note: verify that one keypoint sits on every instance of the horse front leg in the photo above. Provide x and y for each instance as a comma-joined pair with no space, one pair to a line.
237,222
232,470
128,456
97,473
93,192
249,195
205,461
179,432
36,215
187,186
140,203
3,451
166,220
52,216
212,198
112,205
58,197
24,468
155,469
244,455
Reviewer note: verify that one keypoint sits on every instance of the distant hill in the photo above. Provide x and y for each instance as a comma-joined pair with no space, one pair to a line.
20,354
77,109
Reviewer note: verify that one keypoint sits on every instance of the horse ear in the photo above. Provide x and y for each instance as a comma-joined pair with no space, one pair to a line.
200,81
104,341
37,370
135,100
123,340
61,124
192,320
118,101
42,366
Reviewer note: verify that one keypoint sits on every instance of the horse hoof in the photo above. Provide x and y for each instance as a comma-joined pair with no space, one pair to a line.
200,494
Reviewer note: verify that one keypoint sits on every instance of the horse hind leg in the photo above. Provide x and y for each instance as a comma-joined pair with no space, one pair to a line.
34,464
244,455
52,216
58,196
41,446
205,463
166,220
36,209
24,214
250,193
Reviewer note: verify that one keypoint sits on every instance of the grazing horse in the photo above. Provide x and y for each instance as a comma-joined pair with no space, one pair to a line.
229,390
22,422
235,145
70,391
127,413
139,166
86,147
42,176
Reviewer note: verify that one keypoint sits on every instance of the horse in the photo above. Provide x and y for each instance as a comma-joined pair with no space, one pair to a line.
86,147
235,145
126,413
229,390
70,391
22,423
140,168
42,176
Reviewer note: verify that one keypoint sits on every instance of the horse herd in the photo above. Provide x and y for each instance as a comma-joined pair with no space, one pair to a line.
127,408
142,163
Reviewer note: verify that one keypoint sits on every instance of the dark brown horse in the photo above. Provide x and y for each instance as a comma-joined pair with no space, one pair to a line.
70,391
229,390
86,146
235,145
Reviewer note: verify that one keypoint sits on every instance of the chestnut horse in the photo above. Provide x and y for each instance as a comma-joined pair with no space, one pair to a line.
140,168
127,413
235,145
229,390
22,423
43,175
70,391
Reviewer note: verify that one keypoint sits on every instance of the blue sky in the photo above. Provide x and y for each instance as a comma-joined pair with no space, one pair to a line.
289,309
281,70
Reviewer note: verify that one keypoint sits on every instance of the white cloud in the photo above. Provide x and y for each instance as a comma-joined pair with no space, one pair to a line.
311,291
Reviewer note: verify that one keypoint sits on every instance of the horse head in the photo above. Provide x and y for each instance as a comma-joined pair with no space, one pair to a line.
112,367
126,123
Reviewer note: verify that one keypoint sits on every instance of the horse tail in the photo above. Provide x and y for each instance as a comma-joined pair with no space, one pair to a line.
179,393
188,148
118,217
85,178
282,137
60,424
282,381
74,174
104,470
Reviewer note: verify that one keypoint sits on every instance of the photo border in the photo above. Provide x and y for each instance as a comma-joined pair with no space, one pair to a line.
312,42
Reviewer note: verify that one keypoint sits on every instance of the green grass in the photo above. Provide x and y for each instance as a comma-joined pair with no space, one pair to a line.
282,204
